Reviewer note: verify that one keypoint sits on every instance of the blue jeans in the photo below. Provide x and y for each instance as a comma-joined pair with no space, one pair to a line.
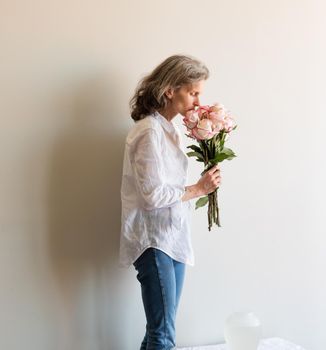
161,280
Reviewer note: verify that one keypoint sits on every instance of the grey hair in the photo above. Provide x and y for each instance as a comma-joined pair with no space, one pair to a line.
173,72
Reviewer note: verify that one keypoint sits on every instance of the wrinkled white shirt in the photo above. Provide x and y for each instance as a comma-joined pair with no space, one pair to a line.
153,182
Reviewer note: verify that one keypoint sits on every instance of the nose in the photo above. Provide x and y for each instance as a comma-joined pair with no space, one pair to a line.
196,102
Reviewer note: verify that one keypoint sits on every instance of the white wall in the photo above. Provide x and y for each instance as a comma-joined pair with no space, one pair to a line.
68,69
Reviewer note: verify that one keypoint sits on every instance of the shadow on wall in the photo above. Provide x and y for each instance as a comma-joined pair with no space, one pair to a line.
84,213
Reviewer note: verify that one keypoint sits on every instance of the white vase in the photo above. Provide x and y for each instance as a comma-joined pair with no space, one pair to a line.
242,331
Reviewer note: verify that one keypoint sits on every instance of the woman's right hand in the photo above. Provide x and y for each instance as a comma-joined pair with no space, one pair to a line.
209,181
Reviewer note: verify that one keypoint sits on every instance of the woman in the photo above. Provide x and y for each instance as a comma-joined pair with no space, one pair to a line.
155,235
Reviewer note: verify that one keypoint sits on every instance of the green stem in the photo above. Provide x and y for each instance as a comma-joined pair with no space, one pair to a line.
213,210
217,210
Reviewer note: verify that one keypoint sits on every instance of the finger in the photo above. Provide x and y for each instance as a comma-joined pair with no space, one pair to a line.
214,169
216,175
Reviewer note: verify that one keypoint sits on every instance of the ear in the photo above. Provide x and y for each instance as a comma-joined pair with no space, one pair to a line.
169,93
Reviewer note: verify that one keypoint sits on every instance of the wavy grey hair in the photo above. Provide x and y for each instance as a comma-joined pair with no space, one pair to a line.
173,72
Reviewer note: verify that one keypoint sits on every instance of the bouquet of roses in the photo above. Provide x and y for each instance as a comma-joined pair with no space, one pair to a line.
210,126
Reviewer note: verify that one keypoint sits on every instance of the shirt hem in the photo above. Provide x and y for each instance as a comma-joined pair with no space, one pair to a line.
189,262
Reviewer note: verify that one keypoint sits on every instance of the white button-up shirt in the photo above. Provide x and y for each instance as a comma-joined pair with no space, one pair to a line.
153,182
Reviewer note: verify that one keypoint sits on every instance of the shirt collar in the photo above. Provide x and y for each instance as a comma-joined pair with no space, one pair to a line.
168,126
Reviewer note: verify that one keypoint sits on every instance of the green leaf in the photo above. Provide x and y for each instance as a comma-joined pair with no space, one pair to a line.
195,154
229,152
226,153
201,202
195,148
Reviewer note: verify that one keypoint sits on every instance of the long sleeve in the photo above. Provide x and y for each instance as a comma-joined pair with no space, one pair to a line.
148,165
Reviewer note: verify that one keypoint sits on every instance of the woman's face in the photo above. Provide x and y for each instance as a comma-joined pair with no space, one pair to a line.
185,98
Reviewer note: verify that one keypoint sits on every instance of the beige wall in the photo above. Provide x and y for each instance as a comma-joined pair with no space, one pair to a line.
67,71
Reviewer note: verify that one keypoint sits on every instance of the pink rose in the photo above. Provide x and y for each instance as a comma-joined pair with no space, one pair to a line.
197,135
191,119
217,107
229,123
204,130
217,127
217,117
202,111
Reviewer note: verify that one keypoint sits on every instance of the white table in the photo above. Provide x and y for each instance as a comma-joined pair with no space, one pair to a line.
265,344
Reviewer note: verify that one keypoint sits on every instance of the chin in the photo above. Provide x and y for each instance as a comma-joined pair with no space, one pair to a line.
186,111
